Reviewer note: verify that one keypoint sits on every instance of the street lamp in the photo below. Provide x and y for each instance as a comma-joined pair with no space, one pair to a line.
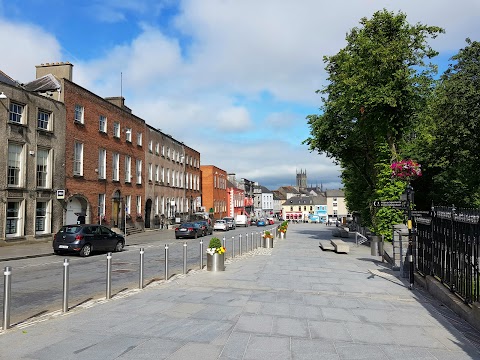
410,233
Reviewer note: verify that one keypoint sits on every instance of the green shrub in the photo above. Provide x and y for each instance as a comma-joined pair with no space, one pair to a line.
215,243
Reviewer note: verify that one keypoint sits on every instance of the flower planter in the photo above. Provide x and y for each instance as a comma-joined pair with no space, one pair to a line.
282,235
267,242
216,262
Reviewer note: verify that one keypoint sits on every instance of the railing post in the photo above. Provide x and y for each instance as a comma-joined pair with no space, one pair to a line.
140,278
246,242
201,254
233,246
185,257
109,276
253,242
66,266
7,288
224,242
166,261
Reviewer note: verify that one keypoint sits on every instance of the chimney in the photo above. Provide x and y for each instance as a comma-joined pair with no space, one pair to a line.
119,101
61,70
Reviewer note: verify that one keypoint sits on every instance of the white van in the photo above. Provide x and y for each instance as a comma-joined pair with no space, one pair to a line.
242,220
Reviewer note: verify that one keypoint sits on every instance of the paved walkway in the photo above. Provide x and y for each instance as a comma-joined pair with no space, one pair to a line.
294,301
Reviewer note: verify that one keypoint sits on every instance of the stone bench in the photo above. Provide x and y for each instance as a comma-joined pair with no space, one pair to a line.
326,245
340,246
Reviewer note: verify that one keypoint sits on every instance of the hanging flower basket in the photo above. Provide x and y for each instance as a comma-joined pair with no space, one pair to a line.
406,170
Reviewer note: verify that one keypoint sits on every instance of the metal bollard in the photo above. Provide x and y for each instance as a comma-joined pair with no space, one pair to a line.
140,278
246,241
7,289
253,240
233,246
224,242
185,257
240,244
166,261
109,276
66,266
201,254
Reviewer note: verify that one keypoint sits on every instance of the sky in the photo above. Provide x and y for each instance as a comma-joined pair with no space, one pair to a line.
232,79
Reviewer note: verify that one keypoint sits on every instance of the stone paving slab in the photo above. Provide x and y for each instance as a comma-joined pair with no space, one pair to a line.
290,302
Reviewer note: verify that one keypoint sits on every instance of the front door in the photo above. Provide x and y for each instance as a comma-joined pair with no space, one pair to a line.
148,211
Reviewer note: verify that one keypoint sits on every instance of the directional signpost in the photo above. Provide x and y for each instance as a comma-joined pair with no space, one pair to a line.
398,204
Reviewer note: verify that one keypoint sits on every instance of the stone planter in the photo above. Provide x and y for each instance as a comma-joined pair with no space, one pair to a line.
267,242
216,262
282,235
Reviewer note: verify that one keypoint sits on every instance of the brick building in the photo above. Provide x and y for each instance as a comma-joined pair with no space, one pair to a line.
214,191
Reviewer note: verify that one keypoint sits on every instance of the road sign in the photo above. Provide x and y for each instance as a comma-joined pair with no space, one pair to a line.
400,204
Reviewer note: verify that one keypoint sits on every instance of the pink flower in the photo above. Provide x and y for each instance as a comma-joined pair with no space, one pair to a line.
406,169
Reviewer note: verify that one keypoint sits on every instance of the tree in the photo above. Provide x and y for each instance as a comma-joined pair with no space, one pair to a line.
378,85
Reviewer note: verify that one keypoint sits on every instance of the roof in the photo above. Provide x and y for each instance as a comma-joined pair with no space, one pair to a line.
306,200
335,193
4,78
288,189
45,83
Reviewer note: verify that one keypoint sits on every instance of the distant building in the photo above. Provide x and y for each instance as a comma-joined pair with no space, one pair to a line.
214,191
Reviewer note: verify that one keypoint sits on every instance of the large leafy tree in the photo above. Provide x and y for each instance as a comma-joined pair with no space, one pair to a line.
455,147
377,86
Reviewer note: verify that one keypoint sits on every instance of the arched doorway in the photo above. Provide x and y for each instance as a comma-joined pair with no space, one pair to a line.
77,206
148,211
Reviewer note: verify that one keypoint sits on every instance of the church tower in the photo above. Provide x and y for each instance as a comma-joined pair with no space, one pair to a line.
302,179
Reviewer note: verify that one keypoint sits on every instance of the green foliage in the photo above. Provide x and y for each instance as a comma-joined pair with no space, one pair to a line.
215,243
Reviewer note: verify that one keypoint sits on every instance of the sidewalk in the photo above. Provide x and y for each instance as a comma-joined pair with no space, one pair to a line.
294,301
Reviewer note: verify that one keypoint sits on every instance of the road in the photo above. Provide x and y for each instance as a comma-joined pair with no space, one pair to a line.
37,283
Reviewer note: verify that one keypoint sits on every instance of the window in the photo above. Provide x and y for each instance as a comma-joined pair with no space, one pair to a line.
16,113
116,167
335,204
14,218
128,169
168,176
102,163
335,213
43,120
139,171
116,129
157,148
78,159
43,167
42,217
139,205
173,178
163,174
102,124
150,172
79,110
101,207
128,135
168,153
163,150
139,139
157,175
15,165
150,146
128,204
156,205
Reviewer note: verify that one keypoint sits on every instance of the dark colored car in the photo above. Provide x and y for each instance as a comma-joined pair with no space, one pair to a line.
188,230
207,229
86,238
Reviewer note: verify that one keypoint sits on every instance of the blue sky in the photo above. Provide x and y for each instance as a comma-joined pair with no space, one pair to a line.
233,79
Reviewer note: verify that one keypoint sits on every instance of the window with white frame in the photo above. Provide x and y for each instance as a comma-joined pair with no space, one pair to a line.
128,169
150,172
43,168
102,124
168,153
163,174
43,217
156,205
128,204
139,205
168,176
157,148
116,167
102,163
173,178
139,171
150,146
116,129
101,207
128,135
44,120
16,165
78,159
157,176
79,113
16,113
163,150
139,139
14,218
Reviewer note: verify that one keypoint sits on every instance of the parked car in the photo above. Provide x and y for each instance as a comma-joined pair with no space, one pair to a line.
261,222
86,238
230,221
220,225
242,220
207,229
188,230
270,221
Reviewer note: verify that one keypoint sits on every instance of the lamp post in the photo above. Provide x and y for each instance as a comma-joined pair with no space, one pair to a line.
410,234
